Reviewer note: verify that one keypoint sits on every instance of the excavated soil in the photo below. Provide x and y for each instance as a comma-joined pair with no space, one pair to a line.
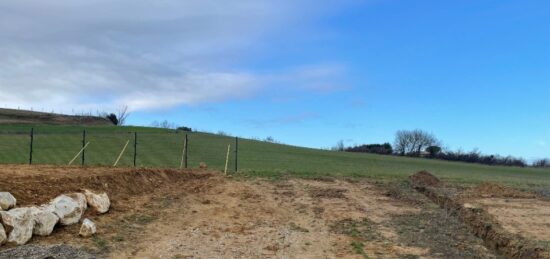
425,179
164,213
493,190
529,218
515,227
519,212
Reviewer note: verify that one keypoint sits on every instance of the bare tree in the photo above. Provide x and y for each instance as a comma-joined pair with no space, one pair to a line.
167,125
542,163
339,146
122,115
413,142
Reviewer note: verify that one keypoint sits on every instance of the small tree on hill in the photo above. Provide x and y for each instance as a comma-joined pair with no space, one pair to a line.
113,118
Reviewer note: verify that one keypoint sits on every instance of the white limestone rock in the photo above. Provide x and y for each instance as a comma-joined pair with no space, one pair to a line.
67,209
80,198
88,228
100,202
3,237
44,220
7,201
18,224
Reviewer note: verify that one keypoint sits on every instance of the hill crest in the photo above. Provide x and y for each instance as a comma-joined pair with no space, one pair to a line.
13,116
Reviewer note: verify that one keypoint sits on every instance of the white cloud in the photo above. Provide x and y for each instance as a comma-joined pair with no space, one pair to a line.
324,77
99,54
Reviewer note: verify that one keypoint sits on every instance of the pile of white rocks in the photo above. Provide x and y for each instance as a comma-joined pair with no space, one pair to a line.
18,225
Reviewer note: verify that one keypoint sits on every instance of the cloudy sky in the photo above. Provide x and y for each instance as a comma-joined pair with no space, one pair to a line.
307,72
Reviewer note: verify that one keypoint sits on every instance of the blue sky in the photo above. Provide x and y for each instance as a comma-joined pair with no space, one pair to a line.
308,73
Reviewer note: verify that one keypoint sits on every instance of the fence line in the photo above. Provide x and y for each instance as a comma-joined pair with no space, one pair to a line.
150,149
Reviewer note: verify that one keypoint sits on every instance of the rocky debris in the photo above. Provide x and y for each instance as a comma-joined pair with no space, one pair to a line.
44,220
19,225
49,251
87,229
67,209
3,237
7,201
100,202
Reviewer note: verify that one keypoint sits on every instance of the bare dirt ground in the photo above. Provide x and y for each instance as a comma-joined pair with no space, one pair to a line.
519,212
512,222
162,213
529,218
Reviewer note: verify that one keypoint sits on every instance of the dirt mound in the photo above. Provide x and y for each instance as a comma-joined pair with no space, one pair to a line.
424,179
492,190
45,183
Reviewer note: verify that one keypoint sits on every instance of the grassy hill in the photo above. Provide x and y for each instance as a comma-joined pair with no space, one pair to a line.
163,148
10,116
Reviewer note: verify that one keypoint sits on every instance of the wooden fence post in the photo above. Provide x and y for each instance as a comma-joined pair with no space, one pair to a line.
83,144
30,151
236,154
135,148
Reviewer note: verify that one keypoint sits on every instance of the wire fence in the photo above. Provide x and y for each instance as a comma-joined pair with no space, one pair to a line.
124,149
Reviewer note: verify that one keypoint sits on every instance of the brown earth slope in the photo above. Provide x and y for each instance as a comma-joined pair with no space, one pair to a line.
23,116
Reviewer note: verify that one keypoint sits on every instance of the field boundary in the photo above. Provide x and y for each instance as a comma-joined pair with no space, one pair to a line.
135,148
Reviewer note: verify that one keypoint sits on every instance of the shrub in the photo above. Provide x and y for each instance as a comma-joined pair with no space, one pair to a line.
384,149
113,118
183,128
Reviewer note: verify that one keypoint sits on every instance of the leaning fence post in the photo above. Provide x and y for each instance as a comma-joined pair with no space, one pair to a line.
135,148
236,153
227,158
30,150
83,144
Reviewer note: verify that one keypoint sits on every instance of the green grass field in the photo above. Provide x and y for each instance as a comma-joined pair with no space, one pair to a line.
163,148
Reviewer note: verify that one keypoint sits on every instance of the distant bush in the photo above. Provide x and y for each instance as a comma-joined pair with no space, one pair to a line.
433,150
183,128
384,149
476,157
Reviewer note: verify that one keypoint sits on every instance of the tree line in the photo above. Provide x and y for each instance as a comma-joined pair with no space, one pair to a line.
419,143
